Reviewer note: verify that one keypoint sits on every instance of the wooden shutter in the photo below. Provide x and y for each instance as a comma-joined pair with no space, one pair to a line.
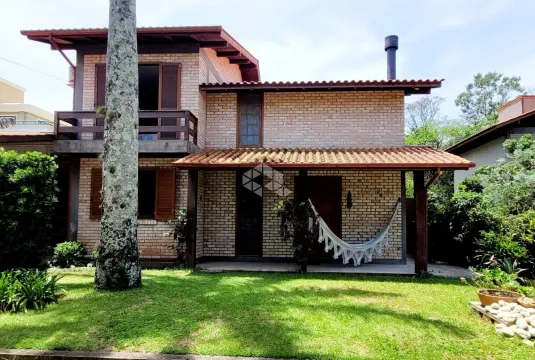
100,95
165,194
169,96
95,212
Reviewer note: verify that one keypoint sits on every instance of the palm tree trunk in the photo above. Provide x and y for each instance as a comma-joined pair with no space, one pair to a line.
117,265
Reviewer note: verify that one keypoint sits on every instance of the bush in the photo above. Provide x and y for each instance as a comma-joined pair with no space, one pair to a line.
495,209
27,199
69,253
22,290
179,235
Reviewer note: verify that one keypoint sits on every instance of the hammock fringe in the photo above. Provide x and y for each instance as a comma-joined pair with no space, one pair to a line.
355,252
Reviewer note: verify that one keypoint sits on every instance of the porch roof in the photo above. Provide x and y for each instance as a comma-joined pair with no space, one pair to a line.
387,158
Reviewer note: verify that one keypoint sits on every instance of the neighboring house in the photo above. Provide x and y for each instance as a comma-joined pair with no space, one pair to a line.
26,118
515,118
206,120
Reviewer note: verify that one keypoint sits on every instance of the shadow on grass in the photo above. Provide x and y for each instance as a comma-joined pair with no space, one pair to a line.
232,314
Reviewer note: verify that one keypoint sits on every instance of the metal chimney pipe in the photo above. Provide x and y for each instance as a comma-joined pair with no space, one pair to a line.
391,45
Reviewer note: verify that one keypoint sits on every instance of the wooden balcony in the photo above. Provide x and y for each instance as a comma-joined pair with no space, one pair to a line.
160,131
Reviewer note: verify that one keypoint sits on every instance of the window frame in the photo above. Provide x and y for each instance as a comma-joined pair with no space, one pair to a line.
260,126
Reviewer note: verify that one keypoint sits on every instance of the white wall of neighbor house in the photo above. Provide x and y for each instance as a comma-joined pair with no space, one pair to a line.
485,154
490,152
374,195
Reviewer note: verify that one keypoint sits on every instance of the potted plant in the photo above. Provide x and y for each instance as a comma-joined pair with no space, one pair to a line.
497,284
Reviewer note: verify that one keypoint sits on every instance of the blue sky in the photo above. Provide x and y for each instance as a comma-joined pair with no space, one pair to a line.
301,39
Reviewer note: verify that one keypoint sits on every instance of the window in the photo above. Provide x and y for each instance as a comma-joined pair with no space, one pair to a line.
250,119
156,194
147,194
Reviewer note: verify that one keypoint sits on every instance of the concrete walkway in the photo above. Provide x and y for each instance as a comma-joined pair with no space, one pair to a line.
16,354
372,268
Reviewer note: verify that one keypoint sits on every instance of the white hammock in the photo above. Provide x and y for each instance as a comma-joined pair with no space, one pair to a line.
355,252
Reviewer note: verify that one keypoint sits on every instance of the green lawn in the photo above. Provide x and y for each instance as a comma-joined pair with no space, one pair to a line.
286,315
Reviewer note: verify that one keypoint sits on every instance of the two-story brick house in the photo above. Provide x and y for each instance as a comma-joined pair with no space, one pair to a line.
206,119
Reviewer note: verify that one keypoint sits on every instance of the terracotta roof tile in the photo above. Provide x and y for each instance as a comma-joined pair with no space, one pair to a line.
406,157
409,86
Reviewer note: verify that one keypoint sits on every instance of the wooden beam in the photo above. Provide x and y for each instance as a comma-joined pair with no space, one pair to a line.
420,198
239,61
227,53
433,179
191,240
214,44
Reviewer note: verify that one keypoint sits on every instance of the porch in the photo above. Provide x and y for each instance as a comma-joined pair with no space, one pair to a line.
358,193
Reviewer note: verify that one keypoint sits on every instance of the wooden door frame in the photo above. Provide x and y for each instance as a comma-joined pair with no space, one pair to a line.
239,184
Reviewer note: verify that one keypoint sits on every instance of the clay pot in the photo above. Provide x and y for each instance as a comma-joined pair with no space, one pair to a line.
488,296
526,302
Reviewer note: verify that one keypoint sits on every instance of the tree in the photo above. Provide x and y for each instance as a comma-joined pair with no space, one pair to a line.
422,112
424,122
117,265
482,98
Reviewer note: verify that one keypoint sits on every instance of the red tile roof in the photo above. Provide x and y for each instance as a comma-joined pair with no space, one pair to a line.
400,158
410,86
207,36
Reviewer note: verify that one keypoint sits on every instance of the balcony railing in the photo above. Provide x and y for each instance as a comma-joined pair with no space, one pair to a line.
153,125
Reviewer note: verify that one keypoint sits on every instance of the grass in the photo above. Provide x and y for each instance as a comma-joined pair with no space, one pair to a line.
264,314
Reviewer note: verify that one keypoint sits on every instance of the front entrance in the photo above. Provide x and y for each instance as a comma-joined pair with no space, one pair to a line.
248,217
325,192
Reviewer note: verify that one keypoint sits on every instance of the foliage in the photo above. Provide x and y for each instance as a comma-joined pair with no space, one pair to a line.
27,199
294,226
495,278
498,203
179,234
482,98
22,290
68,253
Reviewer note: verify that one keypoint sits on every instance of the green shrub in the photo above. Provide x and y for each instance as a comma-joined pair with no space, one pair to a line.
495,278
179,235
69,253
27,200
22,290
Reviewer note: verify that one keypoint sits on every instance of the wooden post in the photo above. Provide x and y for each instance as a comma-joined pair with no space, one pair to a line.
301,195
191,240
420,198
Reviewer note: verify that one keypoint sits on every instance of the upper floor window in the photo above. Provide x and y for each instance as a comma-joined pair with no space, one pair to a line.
250,119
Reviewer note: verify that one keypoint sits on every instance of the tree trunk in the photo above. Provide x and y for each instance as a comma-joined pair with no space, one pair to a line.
117,263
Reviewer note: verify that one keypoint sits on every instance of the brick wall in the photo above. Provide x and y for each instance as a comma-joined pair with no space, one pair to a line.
152,242
272,244
218,204
221,116
374,195
314,119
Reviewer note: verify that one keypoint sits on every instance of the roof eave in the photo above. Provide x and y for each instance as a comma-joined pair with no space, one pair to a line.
492,132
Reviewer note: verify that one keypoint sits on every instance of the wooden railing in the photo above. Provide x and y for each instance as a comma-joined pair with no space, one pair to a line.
153,125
